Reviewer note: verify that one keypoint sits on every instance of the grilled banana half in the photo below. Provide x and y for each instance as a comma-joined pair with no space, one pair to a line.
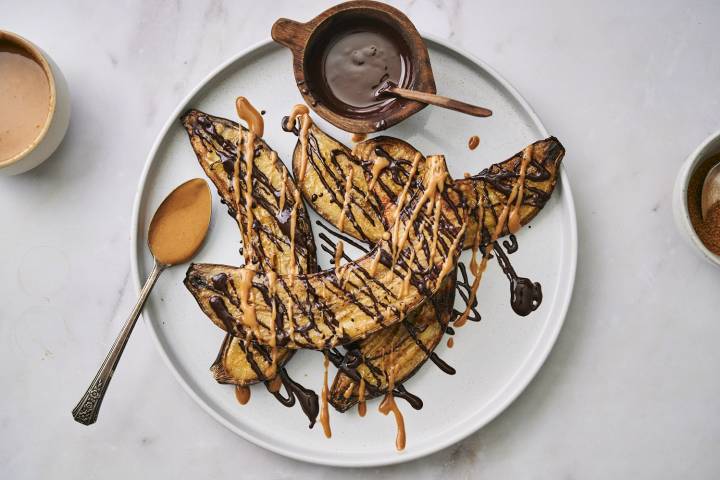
387,164
353,300
487,192
215,142
399,351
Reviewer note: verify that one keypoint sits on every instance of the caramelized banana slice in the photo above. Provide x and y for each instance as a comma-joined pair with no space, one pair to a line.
214,141
389,161
491,187
387,164
329,165
347,303
241,363
402,348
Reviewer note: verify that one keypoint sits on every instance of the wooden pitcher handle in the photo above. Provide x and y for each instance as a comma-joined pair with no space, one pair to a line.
290,34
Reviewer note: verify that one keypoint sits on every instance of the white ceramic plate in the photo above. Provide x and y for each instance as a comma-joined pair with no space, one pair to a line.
495,359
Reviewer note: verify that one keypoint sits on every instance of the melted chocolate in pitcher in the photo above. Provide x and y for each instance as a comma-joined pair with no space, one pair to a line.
356,62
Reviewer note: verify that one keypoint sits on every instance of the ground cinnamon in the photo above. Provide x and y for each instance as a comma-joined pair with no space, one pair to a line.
708,229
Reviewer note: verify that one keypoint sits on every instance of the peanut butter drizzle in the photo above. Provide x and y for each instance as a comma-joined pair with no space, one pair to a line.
380,164
272,280
338,257
252,117
283,189
448,264
302,112
436,226
389,405
405,287
401,202
249,319
514,218
346,200
324,412
501,222
256,128
358,137
374,263
362,406
476,240
274,384
450,342
291,330
296,111
435,185
349,391
293,225
236,193
242,393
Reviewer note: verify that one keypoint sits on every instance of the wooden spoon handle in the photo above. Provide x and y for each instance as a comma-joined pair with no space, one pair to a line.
437,100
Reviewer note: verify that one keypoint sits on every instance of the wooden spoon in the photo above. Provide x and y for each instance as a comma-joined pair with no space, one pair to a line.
176,233
710,190
391,89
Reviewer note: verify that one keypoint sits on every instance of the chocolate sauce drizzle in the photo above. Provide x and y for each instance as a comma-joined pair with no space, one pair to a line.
347,363
307,398
525,295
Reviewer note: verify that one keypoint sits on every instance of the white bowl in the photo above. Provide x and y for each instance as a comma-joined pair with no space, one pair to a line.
710,146
57,122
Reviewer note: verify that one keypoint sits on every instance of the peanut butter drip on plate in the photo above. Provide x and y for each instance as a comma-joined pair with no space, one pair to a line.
362,405
450,342
324,412
502,221
473,142
242,393
389,405
346,201
301,111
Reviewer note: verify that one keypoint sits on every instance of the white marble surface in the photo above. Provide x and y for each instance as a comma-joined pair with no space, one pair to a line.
631,389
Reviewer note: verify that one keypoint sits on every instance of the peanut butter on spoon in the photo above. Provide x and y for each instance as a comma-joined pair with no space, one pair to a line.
180,223
176,233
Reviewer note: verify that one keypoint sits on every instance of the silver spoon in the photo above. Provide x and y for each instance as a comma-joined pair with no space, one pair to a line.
710,190
176,232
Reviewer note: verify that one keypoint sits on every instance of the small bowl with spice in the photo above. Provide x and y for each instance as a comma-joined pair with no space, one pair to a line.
701,230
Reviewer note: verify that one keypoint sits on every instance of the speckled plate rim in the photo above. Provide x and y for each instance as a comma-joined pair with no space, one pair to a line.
512,389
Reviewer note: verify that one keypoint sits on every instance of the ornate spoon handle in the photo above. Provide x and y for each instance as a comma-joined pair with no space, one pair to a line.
87,409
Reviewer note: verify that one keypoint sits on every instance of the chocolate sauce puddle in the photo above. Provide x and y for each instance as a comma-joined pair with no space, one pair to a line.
525,295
